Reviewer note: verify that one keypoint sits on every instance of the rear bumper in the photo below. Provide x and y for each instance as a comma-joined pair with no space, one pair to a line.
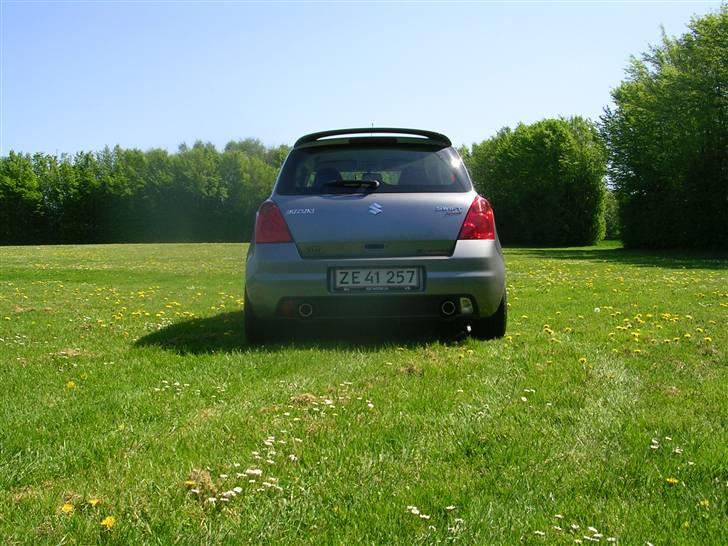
276,275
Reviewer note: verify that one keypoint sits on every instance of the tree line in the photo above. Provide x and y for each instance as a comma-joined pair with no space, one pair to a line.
667,138
653,171
663,147
128,195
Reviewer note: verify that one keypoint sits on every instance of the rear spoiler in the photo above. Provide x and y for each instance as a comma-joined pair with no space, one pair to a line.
322,137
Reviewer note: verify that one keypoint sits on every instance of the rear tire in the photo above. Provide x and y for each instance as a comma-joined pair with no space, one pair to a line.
255,328
491,327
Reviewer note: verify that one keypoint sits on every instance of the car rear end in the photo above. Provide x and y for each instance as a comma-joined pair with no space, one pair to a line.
373,227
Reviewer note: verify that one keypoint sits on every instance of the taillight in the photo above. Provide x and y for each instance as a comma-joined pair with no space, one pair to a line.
270,227
479,222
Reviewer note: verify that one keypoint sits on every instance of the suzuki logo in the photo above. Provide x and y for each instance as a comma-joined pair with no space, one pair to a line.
375,208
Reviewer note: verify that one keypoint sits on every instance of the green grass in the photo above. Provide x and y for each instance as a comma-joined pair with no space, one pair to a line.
125,373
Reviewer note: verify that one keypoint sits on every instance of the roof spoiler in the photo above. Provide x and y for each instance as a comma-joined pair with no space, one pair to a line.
430,136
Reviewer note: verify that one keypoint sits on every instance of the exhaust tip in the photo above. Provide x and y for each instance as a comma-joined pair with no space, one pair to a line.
305,310
448,308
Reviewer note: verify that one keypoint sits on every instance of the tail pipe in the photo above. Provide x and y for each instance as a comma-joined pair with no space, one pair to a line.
448,308
305,310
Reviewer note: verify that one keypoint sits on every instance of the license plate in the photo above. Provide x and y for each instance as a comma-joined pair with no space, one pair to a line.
377,279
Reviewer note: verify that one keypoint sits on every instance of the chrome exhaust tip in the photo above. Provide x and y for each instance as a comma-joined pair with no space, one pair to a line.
448,308
305,310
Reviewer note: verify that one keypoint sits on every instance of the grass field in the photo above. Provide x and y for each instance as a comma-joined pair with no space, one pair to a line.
132,410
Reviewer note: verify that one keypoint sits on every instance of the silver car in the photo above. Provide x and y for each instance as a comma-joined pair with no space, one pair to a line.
375,223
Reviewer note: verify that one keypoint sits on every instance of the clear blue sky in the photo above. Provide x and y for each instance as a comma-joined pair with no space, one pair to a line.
81,75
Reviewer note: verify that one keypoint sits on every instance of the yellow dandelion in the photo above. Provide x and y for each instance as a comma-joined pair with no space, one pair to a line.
94,502
705,503
71,385
67,508
190,483
672,481
108,522
582,360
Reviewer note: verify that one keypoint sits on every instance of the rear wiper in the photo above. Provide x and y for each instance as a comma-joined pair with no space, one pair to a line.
369,184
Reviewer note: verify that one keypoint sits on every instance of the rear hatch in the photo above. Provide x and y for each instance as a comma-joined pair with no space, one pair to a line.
373,197
375,225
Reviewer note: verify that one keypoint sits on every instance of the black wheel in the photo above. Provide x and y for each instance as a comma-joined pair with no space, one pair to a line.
491,327
255,328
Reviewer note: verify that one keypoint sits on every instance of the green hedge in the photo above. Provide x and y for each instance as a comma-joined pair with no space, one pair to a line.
545,182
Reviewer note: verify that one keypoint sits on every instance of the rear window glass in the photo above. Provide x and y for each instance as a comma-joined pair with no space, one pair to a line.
399,170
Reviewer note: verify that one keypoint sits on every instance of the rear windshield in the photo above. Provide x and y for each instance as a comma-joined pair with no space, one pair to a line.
398,170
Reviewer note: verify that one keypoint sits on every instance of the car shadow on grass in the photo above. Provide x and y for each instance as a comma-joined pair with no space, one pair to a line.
226,333
670,259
